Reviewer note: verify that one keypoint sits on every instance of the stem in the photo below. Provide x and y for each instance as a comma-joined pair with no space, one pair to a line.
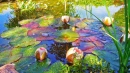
65,5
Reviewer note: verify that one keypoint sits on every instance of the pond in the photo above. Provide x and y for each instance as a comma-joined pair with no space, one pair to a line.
22,32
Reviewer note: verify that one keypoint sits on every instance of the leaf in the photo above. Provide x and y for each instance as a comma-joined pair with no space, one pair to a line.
109,53
66,36
31,25
58,67
10,59
94,62
43,33
29,65
15,32
81,25
45,21
23,41
26,21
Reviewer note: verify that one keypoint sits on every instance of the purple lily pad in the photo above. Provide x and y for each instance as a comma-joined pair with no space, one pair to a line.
42,33
40,38
31,25
85,32
94,40
88,47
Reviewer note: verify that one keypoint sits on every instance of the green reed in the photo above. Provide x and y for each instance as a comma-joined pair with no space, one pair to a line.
123,50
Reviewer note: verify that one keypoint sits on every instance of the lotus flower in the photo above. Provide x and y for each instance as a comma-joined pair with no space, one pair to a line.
122,39
108,21
65,19
41,53
73,53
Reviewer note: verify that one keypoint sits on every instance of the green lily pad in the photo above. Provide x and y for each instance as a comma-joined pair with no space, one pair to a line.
58,67
6,57
45,21
23,41
64,36
15,32
109,53
81,24
26,51
29,65
26,21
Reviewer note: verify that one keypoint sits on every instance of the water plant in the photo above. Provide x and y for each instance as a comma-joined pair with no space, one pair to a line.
123,50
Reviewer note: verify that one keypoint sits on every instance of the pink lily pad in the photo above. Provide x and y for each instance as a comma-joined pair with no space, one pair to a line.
42,33
40,38
94,40
31,25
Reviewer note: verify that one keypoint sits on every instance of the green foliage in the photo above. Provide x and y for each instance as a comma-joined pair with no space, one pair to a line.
79,66
95,63
94,2
57,67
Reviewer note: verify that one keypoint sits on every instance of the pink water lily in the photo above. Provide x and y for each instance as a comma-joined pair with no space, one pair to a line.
41,53
74,53
65,19
108,21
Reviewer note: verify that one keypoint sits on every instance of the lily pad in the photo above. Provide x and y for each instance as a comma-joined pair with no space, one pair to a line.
15,32
23,41
26,21
109,53
45,21
10,59
67,35
31,25
29,65
58,67
43,33
81,25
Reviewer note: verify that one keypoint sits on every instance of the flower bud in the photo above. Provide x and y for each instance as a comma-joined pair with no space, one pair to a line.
108,21
65,19
41,53
74,53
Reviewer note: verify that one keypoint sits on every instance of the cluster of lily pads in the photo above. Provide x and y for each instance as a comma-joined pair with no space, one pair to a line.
27,38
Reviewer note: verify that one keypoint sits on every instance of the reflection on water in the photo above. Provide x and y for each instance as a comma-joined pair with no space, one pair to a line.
100,11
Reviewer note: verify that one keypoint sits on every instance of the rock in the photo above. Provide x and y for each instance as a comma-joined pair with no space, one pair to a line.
8,68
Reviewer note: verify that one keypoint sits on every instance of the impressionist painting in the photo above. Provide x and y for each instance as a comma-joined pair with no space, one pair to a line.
64,36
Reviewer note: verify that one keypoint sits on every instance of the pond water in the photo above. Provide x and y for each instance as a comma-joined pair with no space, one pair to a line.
93,29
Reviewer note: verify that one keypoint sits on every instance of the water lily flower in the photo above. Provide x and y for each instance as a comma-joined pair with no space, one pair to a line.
74,53
65,19
41,53
73,28
122,39
108,21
